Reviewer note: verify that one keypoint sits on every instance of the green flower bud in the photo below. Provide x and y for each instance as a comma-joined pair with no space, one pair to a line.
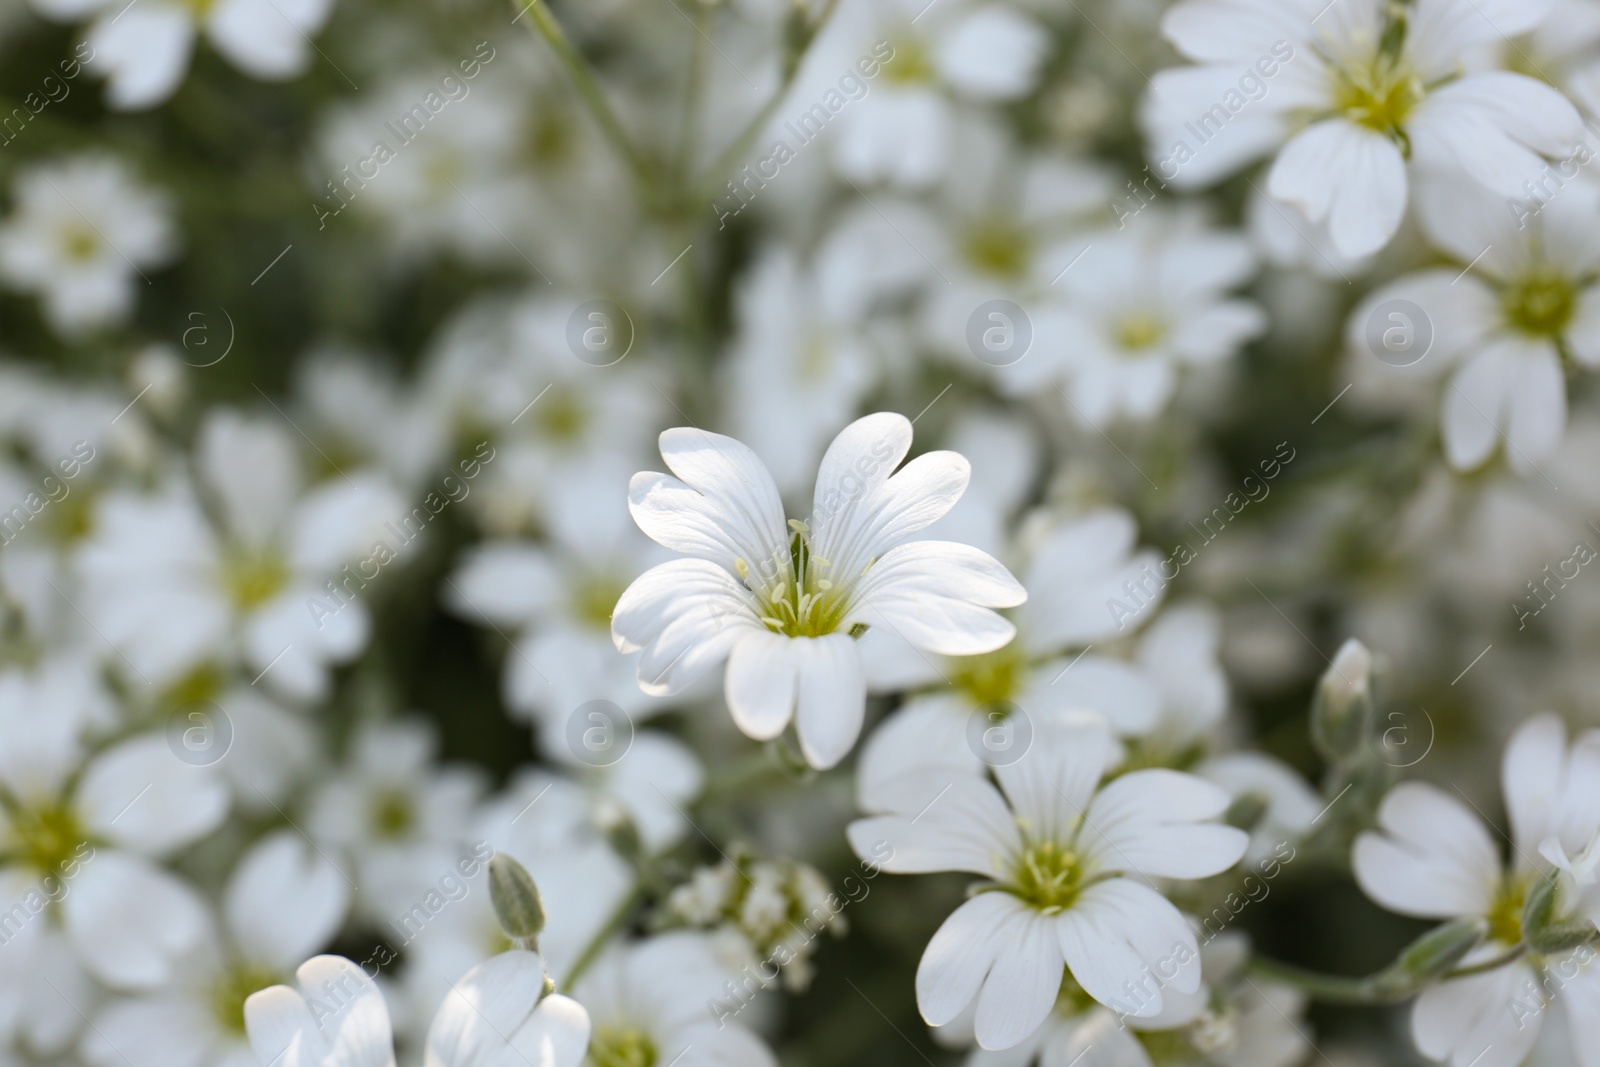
1432,955
516,899
1246,811
1544,932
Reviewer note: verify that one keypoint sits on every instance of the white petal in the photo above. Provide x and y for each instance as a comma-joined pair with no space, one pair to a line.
960,954
144,53
832,699
139,795
490,1002
129,920
1433,858
1125,944
722,506
762,683
1153,823
284,902
941,822
1349,176
1021,987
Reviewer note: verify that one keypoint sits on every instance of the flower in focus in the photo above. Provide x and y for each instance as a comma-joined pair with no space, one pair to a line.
1067,863
1431,857
785,603
82,230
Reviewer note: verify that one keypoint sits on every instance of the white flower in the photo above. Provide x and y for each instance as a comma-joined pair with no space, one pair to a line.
1144,302
100,828
1358,92
1433,858
496,1016
263,586
1524,304
784,604
1068,862
1077,570
1231,1020
922,62
649,1005
143,50
282,903
82,233
402,820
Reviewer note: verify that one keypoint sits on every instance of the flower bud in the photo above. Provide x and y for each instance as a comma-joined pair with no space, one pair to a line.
1544,932
1246,810
516,899
1433,955
1341,711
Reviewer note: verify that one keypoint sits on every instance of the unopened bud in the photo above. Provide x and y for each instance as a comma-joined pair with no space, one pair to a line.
1342,708
1433,955
516,899
1542,929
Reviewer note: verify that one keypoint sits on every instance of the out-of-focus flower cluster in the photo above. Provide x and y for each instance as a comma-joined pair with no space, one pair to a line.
656,534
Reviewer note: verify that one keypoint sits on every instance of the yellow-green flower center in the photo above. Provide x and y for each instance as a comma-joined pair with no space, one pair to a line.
252,577
595,597
998,247
992,678
561,415
393,813
80,243
45,839
621,1046
1541,302
802,600
912,63
1047,876
1505,914
1378,94
232,989
1139,331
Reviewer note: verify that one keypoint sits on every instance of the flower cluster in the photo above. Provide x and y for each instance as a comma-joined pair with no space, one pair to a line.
743,532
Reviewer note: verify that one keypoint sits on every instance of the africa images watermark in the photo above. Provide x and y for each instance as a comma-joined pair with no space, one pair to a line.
807,127
54,490
52,90
344,590
407,128
1146,591
1205,127
52,888
753,978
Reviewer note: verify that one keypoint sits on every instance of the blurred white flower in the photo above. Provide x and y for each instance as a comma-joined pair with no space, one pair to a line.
100,827
144,49
282,904
268,584
1066,859
82,233
648,1004
401,819
1524,302
1357,94
784,604
495,1016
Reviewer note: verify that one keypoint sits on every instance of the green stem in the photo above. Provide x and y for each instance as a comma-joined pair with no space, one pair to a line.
1509,956
694,84
1335,988
746,138
614,922
577,68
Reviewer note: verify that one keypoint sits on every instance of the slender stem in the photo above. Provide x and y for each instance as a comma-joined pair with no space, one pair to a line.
1501,960
694,85
1330,987
741,144
577,68
614,922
